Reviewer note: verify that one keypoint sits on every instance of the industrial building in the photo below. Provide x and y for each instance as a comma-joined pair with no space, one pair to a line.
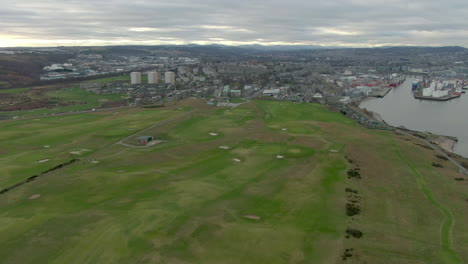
153,77
169,77
135,78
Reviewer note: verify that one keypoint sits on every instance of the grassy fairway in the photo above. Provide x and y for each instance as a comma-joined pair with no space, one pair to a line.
261,183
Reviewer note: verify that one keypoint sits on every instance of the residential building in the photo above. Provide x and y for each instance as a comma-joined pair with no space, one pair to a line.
169,77
135,78
153,77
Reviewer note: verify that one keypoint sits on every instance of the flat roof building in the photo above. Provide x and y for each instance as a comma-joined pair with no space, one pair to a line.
135,78
153,77
169,77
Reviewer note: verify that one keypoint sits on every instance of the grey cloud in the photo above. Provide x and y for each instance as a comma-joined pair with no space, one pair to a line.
339,22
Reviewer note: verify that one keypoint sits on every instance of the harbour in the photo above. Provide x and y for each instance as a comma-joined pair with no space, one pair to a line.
400,108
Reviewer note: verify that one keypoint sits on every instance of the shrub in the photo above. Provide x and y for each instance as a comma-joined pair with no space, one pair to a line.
437,165
352,209
354,173
353,232
351,190
442,157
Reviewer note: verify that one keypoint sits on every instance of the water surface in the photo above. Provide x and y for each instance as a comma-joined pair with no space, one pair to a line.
400,108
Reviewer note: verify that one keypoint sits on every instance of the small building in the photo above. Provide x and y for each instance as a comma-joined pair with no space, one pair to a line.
317,96
145,139
271,92
235,93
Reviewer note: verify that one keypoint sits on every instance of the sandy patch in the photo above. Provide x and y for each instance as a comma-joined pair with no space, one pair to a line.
284,129
254,217
279,157
79,152
95,161
44,160
224,147
213,134
333,151
34,196
236,160
46,146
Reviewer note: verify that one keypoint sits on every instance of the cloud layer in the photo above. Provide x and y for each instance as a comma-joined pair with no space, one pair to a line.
356,23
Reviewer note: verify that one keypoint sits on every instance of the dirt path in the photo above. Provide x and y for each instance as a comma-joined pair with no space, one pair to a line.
449,256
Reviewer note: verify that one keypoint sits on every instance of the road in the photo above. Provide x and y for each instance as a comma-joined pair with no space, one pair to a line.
463,170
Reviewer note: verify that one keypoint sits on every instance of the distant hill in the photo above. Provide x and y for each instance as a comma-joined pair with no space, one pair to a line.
23,69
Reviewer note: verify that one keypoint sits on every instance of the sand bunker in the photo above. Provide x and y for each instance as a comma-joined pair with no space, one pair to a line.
224,147
79,152
279,157
236,160
333,150
213,134
34,196
41,161
284,129
254,217
46,146
95,161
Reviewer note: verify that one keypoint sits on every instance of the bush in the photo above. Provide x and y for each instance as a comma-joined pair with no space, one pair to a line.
354,232
437,165
347,254
354,173
351,190
352,209
459,179
442,157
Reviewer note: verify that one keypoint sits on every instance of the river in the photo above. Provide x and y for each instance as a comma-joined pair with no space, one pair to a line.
400,108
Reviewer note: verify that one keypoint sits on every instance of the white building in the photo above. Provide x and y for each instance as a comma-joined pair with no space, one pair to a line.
440,93
427,92
153,77
271,92
169,77
317,96
135,78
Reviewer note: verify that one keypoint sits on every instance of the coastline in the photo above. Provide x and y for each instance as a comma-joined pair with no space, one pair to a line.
446,143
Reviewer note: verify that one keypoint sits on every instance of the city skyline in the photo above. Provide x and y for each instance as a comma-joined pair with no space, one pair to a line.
343,23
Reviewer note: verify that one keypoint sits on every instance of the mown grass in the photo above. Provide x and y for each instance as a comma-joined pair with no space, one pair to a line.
184,200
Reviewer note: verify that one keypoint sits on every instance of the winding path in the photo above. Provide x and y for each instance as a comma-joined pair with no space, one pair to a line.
449,256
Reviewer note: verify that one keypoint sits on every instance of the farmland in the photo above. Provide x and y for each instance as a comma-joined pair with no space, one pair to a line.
265,182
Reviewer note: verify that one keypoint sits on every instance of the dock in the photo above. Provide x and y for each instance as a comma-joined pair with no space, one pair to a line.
444,98
380,92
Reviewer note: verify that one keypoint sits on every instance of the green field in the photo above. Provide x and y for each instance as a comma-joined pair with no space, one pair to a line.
260,183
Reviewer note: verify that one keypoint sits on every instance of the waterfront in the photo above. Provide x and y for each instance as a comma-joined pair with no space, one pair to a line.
400,108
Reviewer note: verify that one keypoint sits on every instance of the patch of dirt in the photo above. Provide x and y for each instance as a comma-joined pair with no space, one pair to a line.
254,217
34,196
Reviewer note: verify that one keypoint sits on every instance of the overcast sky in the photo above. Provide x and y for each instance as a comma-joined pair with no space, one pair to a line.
357,23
